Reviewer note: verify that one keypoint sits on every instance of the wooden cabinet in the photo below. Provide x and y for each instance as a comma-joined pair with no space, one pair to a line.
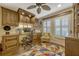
71,46
10,45
76,10
9,17
26,17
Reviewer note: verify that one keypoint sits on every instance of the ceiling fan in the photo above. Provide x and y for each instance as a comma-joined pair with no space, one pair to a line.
40,5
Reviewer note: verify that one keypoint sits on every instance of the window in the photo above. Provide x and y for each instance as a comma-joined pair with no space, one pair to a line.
46,26
62,25
57,26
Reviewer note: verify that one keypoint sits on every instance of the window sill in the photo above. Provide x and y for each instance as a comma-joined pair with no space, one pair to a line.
59,37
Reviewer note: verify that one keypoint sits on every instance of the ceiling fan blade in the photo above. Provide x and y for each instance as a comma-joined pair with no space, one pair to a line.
43,3
45,7
31,7
39,10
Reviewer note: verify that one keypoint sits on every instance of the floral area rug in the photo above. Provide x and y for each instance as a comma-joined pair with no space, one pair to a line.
45,50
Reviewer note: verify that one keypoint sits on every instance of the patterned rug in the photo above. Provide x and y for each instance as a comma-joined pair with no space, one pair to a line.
45,50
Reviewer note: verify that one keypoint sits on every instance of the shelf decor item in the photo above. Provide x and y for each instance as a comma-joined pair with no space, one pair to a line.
26,29
7,28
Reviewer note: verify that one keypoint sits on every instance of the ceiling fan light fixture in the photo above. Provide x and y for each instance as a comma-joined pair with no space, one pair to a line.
29,15
38,10
59,5
23,13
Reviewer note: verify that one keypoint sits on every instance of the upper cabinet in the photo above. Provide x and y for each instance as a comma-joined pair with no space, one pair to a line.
26,17
9,17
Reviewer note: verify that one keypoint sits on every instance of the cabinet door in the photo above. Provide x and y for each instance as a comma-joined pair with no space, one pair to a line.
9,17
4,16
14,18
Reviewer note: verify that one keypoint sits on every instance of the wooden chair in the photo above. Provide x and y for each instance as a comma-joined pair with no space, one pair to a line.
46,38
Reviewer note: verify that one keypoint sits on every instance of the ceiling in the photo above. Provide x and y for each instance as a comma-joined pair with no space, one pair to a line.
54,7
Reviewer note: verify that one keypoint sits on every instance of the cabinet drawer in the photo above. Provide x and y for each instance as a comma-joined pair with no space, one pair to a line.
11,47
11,39
9,52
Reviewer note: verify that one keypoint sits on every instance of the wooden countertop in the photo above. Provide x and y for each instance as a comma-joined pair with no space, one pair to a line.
11,35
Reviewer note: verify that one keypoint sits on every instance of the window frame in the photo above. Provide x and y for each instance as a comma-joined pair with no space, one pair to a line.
61,26
46,27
